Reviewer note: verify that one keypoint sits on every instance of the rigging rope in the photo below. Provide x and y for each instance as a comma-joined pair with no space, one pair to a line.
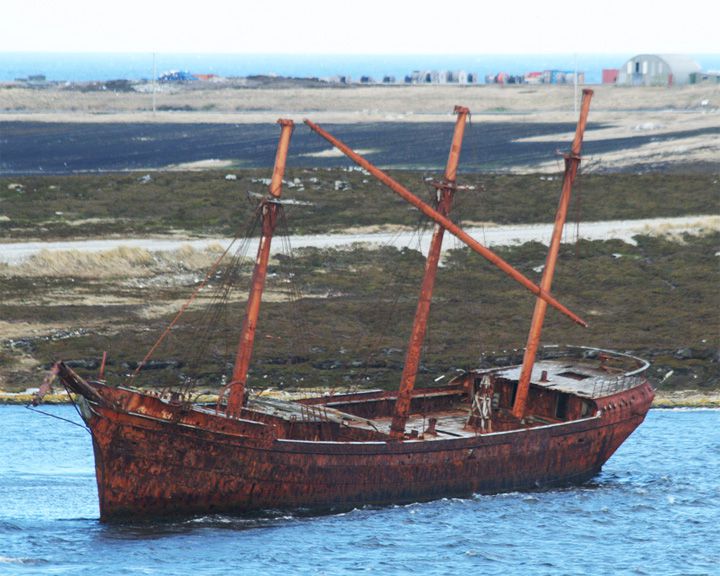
578,211
422,226
298,318
215,313
33,409
211,272
181,312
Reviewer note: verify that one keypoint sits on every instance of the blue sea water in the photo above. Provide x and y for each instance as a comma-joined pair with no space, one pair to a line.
655,510
135,66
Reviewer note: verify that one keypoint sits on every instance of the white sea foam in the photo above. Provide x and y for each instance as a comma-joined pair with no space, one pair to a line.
13,560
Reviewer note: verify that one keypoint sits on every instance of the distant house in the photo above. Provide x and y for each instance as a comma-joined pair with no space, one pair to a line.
610,75
705,78
439,77
574,77
560,77
417,77
563,77
504,78
177,76
544,77
657,70
457,77
533,77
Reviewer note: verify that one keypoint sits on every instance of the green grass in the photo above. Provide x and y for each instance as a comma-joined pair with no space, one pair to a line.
655,299
349,326
205,203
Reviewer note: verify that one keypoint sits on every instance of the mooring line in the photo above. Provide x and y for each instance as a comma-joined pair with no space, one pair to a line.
33,409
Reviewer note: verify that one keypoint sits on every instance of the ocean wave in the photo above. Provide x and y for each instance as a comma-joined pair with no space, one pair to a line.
9,527
14,560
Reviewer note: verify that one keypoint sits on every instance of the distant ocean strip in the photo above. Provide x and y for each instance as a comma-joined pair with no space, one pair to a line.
82,67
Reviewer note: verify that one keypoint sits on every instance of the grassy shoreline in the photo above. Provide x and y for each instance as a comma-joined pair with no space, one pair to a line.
340,318
663,399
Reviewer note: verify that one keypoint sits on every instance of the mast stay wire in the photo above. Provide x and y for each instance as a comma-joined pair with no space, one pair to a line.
214,313
298,317
422,225
186,305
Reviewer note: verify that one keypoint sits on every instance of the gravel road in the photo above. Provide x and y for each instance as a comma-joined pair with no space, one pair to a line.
15,253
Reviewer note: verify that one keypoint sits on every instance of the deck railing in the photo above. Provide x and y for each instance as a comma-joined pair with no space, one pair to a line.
608,386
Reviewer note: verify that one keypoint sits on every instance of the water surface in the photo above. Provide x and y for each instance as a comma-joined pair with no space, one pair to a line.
655,509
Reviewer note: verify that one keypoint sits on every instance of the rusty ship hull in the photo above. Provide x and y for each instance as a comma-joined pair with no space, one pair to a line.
156,457
543,423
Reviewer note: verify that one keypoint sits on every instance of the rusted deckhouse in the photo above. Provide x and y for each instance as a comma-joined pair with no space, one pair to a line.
544,423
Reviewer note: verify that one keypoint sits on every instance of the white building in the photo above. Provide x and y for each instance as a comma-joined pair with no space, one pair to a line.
457,77
657,70
438,77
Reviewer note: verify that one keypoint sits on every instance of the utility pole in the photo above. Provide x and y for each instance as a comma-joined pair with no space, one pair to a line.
153,84
575,97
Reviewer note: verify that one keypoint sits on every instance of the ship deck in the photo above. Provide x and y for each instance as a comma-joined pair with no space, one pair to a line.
450,424
588,379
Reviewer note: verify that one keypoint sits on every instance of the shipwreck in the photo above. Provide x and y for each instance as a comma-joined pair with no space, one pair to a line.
550,421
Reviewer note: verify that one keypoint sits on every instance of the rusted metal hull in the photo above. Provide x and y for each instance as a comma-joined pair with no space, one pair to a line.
161,455
152,466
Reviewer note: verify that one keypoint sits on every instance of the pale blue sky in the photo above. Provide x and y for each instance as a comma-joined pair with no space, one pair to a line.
365,27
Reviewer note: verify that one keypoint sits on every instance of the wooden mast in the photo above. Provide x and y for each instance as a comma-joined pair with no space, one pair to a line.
572,161
445,192
446,223
270,209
